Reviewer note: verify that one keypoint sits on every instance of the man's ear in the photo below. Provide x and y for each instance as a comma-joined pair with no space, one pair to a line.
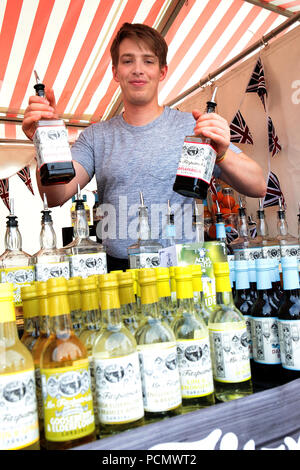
163,72
115,73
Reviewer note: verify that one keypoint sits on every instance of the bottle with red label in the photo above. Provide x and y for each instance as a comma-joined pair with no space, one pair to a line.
196,163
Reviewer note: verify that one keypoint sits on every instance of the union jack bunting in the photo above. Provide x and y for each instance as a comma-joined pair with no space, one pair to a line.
24,174
274,145
257,83
4,191
273,191
239,131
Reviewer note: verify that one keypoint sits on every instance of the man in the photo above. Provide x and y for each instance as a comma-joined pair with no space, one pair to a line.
140,149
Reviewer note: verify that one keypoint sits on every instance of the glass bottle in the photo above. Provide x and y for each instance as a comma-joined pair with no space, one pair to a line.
232,274
66,381
199,303
221,231
289,245
173,285
170,228
15,265
165,303
243,300
198,222
289,321
86,257
144,253
75,303
54,159
116,363
49,261
266,366
229,342
268,245
31,315
193,347
157,354
128,305
240,246
136,288
196,163
44,327
252,278
90,314
19,427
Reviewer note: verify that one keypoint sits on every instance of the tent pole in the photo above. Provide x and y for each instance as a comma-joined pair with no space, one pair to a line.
286,24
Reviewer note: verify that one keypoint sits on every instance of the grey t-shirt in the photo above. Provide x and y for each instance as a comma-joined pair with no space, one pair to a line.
128,159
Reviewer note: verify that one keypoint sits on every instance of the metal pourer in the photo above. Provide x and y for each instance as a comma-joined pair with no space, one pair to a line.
39,87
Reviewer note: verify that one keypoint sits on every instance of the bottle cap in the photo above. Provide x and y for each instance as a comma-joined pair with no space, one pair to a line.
183,272
125,278
147,276
88,283
57,285
162,273
221,268
263,264
6,291
73,284
241,265
290,262
108,280
29,292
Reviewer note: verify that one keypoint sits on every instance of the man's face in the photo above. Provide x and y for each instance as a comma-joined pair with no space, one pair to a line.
138,72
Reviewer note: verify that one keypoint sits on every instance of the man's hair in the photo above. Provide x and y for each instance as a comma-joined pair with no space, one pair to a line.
140,32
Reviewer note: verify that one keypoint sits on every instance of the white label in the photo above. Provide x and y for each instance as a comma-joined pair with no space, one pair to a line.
289,339
118,389
144,260
160,377
87,264
289,250
197,161
51,143
195,367
46,271
248,321
266,349
248,254
18,410
230,352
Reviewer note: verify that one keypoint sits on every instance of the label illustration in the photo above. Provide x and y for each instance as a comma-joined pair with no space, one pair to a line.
119,389
51,143
195,367
266,348
144,260
197,161
68,402
289,339
46,271
18,410
230,352
87,264
19,277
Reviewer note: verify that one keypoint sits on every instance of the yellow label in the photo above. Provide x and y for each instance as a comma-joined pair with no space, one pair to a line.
68,402
19,277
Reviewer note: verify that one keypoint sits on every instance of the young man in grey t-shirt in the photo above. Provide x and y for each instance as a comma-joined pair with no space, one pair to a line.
139,150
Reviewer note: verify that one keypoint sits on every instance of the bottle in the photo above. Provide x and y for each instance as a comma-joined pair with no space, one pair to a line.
232,274
266,364
15,265
240,246
66,381
252,279
196,163
145,252
44,333
73,210
156,344
54,159
90,315
129,314
199,303
165,304
75,303
170,228
221,231
136,289
208,220
19,427
49,261
31,315
193,347
276,282
268,245
86,257
289,321
198,222
229,342
289,245
116,363
243,299
173,285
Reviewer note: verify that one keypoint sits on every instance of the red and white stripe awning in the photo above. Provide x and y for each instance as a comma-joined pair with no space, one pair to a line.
68,43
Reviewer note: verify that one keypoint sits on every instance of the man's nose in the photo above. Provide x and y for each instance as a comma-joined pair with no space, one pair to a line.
138,67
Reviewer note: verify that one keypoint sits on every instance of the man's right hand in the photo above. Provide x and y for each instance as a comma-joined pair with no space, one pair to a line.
37,109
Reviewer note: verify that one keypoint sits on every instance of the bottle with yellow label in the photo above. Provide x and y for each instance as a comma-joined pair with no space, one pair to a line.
128,305
193,347
199,302
229,342
31,315
165,303
15,265
116,365
75,303
173,285
19,428
157,352
65,376
44,333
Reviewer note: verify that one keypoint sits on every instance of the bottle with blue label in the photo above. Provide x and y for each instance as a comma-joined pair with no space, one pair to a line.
289,321
252,278
266,370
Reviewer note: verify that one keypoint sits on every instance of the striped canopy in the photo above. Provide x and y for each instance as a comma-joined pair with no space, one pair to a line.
68,43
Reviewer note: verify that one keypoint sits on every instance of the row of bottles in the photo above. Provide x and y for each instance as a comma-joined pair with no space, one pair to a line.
129,363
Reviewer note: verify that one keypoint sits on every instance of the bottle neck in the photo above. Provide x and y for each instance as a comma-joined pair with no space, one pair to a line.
290,279
261,226
144,228
185,305
282,226
220,231
13,239
223,290
60,319
263,280
242,280
81,227
149,300
110,307
243,227
47,236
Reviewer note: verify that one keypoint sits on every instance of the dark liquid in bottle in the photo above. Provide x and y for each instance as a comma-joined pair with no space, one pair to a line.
56,173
